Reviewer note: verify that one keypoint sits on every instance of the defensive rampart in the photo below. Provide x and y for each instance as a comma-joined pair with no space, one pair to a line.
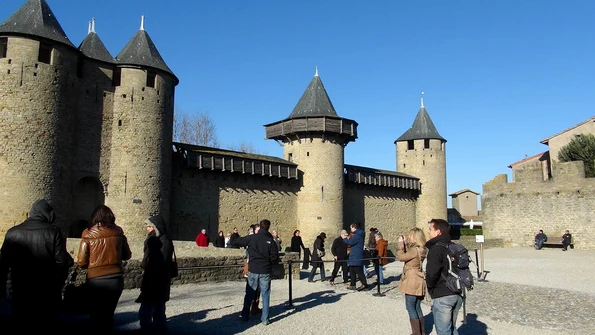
515,211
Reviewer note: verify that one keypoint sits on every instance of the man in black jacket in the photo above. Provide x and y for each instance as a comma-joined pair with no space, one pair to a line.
445,303
339,251
263,253
35,254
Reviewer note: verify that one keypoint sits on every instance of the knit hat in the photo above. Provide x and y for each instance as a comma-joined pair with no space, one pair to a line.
323,235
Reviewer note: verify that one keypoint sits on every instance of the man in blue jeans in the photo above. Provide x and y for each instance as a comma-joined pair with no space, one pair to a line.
445,303
263,253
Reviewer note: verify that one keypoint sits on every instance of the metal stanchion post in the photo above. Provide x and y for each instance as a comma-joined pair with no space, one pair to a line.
290,275
477,265
378,294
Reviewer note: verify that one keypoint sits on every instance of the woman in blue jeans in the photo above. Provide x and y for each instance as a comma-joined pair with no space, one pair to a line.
413,253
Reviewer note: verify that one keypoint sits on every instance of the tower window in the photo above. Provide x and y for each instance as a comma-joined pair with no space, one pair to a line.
290,157
410,145
427,143
151,78
117,77
45,53
3,47
308,153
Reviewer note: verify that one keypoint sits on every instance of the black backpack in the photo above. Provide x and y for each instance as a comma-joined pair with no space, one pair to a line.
459,278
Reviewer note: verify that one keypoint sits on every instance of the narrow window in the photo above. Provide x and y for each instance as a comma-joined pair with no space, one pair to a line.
119,123
3,46
426,143
290,157
117,77
45,53
308,153
410,145
151,77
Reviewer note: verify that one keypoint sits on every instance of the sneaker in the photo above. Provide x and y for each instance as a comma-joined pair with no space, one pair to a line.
266,323
351,288
332,283
362,288
310,281
244,318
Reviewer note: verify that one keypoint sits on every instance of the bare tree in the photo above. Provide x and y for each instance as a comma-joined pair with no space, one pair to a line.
246,147
197,129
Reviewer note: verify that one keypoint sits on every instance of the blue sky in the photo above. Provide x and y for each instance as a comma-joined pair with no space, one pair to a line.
498,76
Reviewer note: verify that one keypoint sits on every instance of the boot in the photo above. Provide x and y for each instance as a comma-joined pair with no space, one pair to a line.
415,326
254,310
422,324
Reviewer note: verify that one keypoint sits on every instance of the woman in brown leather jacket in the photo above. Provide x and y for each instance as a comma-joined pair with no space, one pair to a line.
103,248
412,279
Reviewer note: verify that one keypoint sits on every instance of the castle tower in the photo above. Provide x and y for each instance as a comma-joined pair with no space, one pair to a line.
421,152
38,86
93,129
141,147
314,137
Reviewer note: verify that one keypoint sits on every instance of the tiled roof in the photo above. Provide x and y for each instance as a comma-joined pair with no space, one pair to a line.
93,47
461,192
527,159
231,153
422,128
35,18
141,51
314,102
546,140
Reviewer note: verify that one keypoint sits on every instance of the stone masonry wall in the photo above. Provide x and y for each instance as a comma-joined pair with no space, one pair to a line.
390,210
225,264
320,203
429,165
141,153
36,121
216,200
515,211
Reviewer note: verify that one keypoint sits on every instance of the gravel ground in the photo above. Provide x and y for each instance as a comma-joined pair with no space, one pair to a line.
526,292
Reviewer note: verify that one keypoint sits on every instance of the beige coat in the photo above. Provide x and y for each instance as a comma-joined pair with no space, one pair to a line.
412,278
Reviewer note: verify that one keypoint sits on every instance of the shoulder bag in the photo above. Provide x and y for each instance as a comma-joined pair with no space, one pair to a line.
427,297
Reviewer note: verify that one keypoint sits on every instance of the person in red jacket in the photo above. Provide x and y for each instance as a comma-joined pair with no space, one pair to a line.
202,239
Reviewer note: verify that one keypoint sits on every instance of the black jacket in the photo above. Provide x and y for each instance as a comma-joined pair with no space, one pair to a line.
35,252
339,249
262,251
318,245
232,240
167,247
296,244
155,285
437,263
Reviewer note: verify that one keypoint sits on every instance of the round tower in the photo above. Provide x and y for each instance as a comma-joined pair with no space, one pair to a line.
37,107
421,152
314,137
141,147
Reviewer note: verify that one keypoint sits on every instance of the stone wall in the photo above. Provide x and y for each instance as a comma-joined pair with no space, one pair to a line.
515,211
141,152
429,165
224,264
37,108
391,210
216,200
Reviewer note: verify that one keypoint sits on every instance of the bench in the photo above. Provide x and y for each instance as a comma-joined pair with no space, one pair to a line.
556,242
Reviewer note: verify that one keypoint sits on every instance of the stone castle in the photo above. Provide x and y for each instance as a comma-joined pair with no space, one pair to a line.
81,128
545,194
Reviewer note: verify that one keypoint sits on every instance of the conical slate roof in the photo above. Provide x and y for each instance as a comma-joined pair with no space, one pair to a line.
93,47
314,102
422,128
35,18
142,51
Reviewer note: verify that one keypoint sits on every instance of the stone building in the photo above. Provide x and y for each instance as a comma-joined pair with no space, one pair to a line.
464,206
545,194
82,128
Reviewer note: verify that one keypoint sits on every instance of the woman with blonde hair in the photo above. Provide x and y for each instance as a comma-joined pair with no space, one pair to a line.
413,253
